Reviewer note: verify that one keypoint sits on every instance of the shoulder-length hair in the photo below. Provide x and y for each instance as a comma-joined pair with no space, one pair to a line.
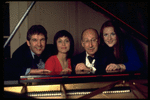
65,33
119,46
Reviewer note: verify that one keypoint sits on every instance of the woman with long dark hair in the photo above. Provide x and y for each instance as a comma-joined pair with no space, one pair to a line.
61,62
112,40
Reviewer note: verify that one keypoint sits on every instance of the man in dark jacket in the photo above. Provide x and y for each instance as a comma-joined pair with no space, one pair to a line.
30,57
92,60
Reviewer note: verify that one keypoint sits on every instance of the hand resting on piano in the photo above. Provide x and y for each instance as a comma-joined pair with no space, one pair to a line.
39,71
111,68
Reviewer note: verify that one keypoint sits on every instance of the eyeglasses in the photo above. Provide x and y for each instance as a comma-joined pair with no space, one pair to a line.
88,41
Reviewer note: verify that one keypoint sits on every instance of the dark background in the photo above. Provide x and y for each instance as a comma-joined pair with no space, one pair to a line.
134,14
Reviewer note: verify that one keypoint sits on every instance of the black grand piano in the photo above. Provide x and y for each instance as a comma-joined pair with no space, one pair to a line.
82,86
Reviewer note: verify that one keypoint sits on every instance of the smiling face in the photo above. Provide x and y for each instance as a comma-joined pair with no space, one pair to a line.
37,43
90,42
63,44
109,36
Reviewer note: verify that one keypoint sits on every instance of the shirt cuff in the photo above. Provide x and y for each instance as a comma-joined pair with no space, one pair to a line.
93,70
27,71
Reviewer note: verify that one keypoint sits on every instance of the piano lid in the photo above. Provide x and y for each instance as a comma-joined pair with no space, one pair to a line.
131,16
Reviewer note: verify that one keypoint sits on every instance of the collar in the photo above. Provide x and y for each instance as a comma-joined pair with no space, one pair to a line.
87,60
32,53
88,64
87,54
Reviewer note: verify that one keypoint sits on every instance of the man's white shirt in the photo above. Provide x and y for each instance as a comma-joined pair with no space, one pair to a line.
90,65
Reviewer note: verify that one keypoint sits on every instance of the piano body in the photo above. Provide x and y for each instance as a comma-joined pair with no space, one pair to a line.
116,85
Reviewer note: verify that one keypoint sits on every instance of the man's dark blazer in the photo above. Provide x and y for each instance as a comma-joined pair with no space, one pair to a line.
102,59
22,59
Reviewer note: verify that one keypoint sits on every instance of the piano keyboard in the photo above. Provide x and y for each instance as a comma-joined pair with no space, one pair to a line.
44,94
58,93
49,94
118,90
76,92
